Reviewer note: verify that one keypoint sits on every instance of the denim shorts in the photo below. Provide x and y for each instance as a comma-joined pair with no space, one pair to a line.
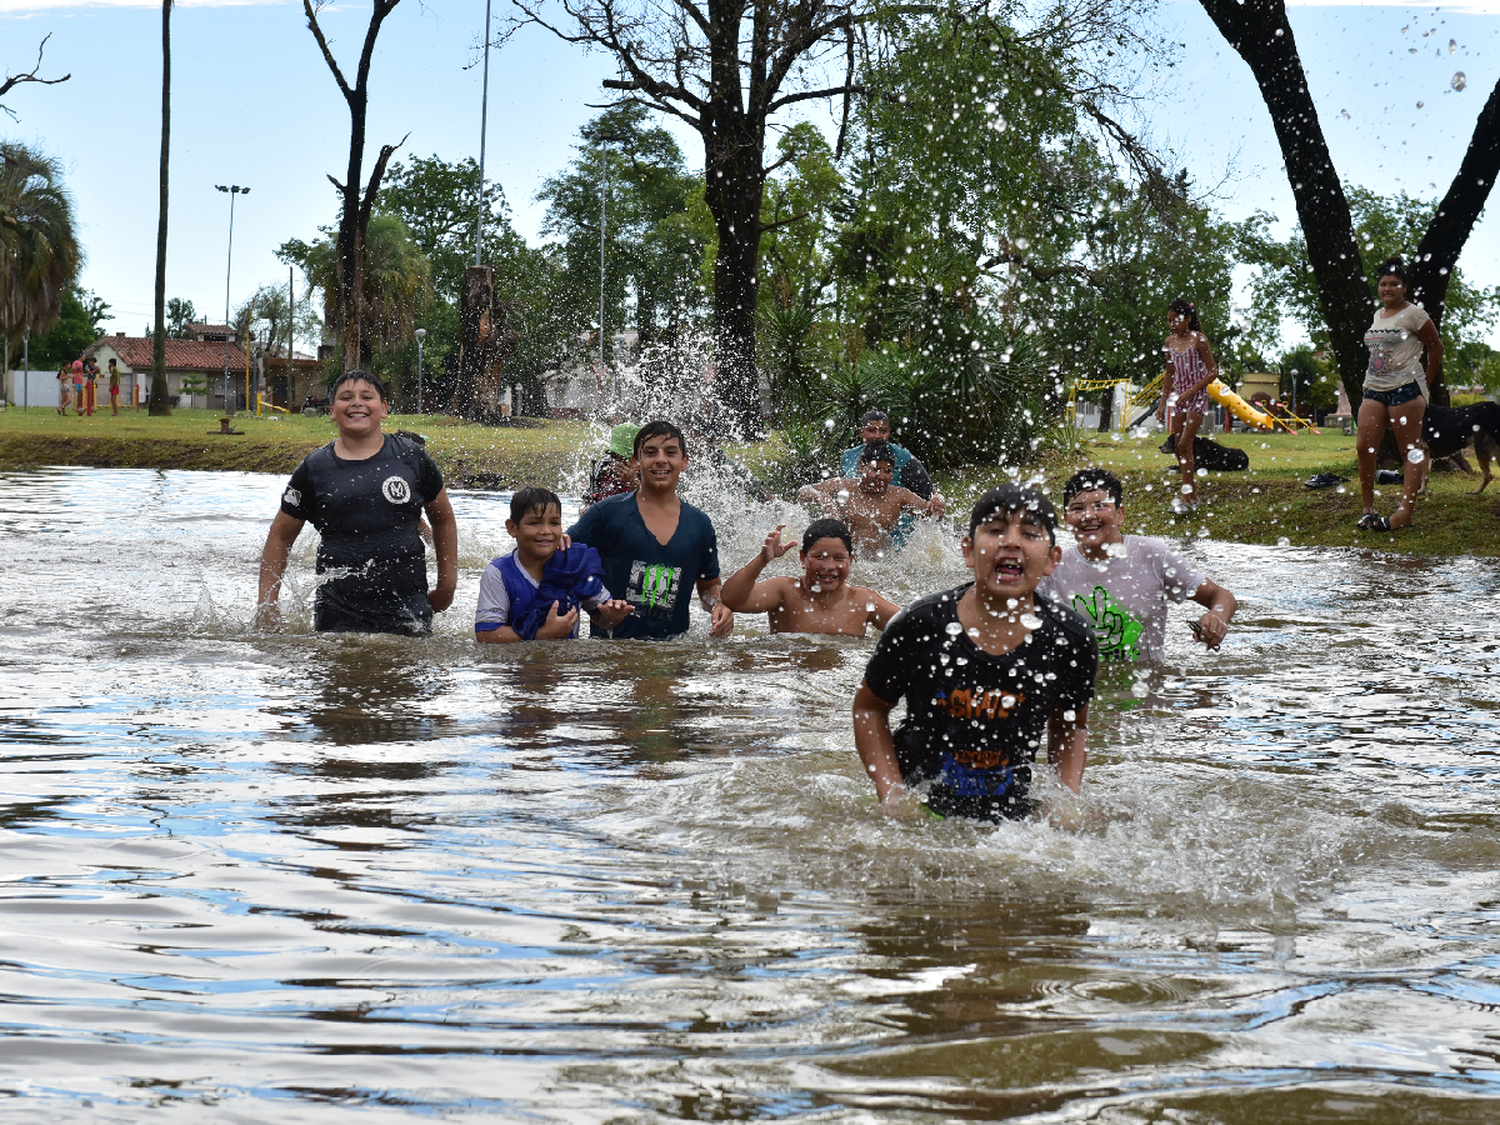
1400,395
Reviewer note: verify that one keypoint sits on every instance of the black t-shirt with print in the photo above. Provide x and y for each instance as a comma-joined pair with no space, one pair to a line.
974,722
367,513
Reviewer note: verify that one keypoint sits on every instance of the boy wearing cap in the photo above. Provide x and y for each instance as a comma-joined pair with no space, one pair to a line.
990,674
615,473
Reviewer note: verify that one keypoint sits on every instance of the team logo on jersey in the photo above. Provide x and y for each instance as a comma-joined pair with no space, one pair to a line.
291,498
396,490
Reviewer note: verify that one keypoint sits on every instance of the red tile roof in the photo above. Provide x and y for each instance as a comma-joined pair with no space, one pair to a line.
182,355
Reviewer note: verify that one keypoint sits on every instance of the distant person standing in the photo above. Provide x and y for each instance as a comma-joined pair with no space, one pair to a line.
1397,387
64,388
91,384
615,473
1190,369
78,387
114,388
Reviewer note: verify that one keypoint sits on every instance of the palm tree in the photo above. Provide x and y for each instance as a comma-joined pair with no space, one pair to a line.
39,251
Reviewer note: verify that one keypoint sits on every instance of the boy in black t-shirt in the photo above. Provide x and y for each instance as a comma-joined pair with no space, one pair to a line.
988,672
365,492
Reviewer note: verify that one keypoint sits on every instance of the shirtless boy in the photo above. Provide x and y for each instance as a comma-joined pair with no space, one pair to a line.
821,601
871,505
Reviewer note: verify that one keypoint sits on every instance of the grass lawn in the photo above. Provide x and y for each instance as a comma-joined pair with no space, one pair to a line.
468,454
1266,504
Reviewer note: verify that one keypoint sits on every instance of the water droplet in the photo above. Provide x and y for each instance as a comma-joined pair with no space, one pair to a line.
1186,490
1283,542
1070,716
1452,46
1202,472
1415,456
1031,621
954,628
1420,104
1458,81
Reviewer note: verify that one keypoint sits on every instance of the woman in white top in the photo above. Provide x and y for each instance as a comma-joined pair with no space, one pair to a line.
1396,393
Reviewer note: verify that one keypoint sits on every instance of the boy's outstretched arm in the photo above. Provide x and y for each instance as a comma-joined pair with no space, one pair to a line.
876,745
609,614
742,593
1213,626
279,540
445,542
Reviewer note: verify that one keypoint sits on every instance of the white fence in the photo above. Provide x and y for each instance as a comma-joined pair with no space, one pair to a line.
32,388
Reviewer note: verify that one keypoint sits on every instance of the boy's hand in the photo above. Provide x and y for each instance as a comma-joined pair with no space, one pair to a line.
609,614
1211,629
774,547
937,505
557,626
723,621
268,616
439,598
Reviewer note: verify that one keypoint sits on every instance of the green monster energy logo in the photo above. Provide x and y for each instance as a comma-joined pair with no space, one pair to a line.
1115,626
656,584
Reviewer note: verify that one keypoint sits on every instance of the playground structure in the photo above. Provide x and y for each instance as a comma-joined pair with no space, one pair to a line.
1149,395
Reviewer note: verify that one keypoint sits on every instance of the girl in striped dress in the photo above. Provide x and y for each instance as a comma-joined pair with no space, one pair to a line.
1191,366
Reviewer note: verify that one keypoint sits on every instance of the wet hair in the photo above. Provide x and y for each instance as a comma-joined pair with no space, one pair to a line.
1183,307
1094,480
877,451
1392,265
873,416
659,428
827,529
1015,498
532,500
358,376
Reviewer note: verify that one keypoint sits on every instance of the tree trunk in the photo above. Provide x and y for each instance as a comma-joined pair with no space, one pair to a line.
735,186
1259,31
476,341
157,404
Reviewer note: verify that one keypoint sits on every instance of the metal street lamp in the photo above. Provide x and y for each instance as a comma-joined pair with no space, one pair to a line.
233,190
421,335
604,141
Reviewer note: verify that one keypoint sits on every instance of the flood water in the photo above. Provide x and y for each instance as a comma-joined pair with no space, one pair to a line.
311,878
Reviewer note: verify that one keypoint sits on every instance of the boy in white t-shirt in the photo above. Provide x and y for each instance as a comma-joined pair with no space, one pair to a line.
1123,584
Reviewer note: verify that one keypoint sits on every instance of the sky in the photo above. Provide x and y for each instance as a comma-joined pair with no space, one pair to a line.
254,105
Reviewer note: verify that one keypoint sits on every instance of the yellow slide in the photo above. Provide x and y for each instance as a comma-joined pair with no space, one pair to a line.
1239,407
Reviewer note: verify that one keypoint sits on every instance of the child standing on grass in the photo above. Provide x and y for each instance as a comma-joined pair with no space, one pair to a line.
534,593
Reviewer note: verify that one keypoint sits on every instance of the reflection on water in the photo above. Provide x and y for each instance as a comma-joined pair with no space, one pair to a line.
302,878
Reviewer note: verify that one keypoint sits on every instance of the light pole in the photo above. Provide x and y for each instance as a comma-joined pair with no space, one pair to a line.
484,120
233,190
421,335
604,141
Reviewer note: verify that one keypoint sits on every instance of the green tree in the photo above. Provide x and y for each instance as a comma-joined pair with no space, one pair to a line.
1285,285
79,323
397,280
1261,34
180,313
652,250
39,251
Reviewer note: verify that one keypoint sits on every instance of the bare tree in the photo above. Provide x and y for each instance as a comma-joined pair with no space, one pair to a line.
1260,32
354,213
13,80
725,67
156,401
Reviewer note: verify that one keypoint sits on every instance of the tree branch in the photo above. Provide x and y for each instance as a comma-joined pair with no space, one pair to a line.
31,76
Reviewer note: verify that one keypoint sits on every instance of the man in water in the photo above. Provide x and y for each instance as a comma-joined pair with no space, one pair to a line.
990,673
1124,583
821,600
908,472
871,505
